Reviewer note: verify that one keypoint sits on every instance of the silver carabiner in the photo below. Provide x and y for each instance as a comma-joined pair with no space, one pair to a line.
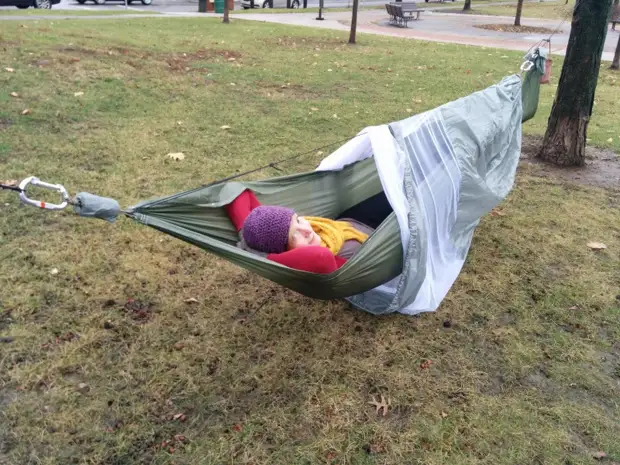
527,65
33,180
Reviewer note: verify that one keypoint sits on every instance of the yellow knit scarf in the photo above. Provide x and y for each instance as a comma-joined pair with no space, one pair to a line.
333,233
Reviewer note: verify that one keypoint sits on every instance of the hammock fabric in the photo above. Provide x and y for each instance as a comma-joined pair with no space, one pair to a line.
441,171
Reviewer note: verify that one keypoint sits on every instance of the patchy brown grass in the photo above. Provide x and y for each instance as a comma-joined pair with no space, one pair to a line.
110,361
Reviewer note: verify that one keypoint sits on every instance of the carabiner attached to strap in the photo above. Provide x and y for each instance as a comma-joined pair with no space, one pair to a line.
34,181
527,65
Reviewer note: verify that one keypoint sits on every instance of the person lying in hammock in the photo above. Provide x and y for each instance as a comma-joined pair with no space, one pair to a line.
317,245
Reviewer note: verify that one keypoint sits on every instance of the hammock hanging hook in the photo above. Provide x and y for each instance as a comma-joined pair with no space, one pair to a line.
34,181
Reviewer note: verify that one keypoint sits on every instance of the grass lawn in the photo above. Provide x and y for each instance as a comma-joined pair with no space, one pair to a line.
547,10
525,360
35,12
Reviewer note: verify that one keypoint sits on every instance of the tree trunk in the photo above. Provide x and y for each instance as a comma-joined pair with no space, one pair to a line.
354,21
467,5
519,10
226,20
616,63
565,140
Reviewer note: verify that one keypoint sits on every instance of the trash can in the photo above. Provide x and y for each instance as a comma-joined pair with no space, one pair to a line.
219,6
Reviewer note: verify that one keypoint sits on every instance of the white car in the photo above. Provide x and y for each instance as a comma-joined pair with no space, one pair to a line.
246,4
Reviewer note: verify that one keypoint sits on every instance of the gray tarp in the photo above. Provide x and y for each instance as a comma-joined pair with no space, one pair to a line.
441,170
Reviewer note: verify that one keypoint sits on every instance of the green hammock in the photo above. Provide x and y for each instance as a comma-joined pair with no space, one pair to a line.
414,256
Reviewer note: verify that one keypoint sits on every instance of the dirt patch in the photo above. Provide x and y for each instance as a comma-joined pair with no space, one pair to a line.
285,91
5,123
538,380
139,310
79,51
602,166
519,29
306,42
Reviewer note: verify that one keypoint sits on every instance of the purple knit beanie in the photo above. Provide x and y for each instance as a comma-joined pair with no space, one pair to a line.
266,228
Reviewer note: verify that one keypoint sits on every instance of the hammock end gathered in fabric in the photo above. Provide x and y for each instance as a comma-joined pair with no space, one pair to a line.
94,206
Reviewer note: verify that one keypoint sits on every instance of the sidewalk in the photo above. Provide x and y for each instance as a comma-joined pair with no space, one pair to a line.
435,26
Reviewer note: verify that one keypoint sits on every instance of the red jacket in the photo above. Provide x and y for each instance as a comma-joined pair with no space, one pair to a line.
314,258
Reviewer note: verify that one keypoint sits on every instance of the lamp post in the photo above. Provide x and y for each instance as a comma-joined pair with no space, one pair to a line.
320,17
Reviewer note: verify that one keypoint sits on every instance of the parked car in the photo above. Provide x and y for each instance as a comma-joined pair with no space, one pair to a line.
45,4
246,4
101,2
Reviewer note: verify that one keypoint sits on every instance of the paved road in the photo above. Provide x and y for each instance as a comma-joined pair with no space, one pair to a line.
183,6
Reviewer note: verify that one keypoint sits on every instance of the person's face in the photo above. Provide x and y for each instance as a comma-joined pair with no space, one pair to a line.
301,234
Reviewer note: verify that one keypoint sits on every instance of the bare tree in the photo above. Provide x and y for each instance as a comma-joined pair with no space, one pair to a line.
226,19
354,21
467,5
519,11
616,63
565,140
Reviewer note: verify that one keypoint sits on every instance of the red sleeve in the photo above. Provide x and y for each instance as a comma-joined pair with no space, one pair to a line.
315,259
239,209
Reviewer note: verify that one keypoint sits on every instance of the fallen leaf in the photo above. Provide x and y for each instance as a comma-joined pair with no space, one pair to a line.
10,70
237,428
224,127
314,109
171,450
78,94
233,84
179,437
14,94
83,388
54,271
381,405
319,153
335,116
26,112
409,110
178,416
574,307
444,414
191,300
426,364
177,156
329,70
596,245
599,455
496,212
232,59
10,182
74,60
178,346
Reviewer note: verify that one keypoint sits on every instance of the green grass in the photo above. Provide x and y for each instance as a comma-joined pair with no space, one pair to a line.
35,12
547,10
526,373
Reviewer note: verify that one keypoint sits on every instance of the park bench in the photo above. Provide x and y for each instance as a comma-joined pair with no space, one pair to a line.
401,12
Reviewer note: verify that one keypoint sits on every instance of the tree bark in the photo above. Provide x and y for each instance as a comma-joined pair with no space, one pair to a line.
226,19
353,22
616,63
519,11
467,5
564,143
